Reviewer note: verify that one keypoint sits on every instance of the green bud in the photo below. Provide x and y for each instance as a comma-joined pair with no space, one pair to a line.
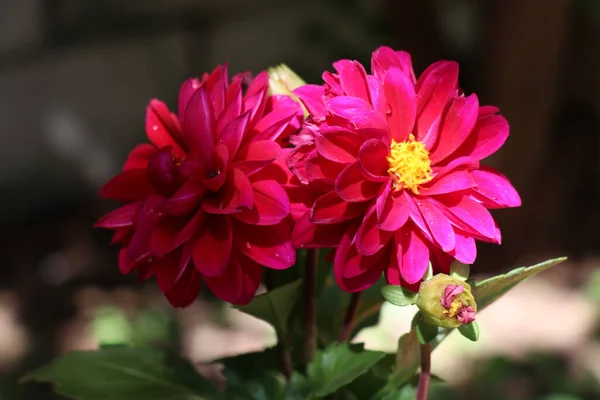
445,301
283,80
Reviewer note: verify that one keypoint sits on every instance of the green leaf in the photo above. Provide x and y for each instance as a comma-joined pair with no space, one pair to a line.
398,296
470,331
253,365
406,393
488,290
275,306
337,366
269,386
119,372
459,270
485,293
426,333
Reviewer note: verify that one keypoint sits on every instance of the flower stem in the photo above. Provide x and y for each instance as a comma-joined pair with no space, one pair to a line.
425,376
310,305
349,319
286,358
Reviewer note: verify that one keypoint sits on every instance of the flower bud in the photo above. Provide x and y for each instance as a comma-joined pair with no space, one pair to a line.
282,80
447,302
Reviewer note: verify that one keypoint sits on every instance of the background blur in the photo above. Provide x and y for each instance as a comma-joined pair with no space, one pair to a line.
76,76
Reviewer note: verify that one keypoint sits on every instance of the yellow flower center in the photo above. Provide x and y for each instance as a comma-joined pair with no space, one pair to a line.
455,307
409,164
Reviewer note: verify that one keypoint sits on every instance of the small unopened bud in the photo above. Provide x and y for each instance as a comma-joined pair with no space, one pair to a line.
447,302
282,80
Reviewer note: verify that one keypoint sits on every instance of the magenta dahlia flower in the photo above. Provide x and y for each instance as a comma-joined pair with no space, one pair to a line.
201,204
396,160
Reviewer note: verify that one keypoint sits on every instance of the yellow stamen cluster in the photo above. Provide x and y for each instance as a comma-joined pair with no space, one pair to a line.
409,164
455,307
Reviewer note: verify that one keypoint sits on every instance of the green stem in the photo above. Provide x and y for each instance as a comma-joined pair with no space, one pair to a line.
349,319
310,305
425,376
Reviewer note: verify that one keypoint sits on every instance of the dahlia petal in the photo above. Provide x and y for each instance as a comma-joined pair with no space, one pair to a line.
338,144
121,235
186,199
267,245
369,239
161,239
271,204
185,94
377,95
385,58
416,217
361,114
239,283
393,277
489,134
256,155
331,209
372,160
276,129
218,173
470,213
232,134
235,194
320,169
199,126
311,97
125,263
460,163
456,127
351,185
128,186
400,96
438,224
415,255
189,230
139,156
162,128
167,271
348,259
162,171
382,199
186,289
146,219
453,182
465,250
394,214
353,79
440,261
213,244
254,101
233,105
121,217
309,235
496,187
296,161
435,88
217,84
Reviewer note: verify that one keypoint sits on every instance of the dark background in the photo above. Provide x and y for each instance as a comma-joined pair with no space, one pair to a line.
76,76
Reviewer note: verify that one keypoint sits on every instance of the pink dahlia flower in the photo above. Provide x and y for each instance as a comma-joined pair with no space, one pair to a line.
397,162
201,204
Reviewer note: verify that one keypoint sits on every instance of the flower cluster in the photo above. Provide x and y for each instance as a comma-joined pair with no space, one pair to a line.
385,169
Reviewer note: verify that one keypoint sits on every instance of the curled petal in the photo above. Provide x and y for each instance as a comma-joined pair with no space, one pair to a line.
369,238
271,204
394,213
353,79
162,127
320,169
372,160
489,134
338,144
240,281
414,257
232,134
139,156
331,209
199,126
438,224
168,270
385,58
351,185
466,213
453,182
465,250
254,156
312,98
